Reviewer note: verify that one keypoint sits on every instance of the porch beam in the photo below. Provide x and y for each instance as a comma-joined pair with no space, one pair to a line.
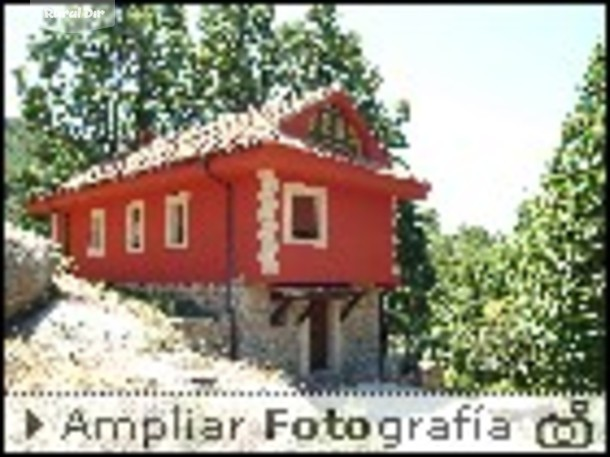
279,313
314,294
349,306
305,314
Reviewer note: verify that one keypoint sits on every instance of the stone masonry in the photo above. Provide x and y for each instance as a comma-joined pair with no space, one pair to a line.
355,346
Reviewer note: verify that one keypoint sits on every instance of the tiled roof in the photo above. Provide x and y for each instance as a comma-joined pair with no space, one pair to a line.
227,133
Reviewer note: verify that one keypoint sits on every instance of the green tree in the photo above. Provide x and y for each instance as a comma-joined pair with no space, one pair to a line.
408,308
470,286
560,240
93,92
236,57
18,145
316,51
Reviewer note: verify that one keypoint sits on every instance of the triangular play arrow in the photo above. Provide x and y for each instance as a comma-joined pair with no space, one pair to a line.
32,424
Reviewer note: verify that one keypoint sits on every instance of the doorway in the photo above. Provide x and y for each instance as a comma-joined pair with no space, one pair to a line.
318,336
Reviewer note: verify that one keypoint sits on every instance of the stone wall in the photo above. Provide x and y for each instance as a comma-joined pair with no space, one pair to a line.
283,346
262,342
205,334
30,261
360,341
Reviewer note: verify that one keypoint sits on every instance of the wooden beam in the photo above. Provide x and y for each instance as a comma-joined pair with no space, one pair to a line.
347,309
311,285
305,314
278,315
314,293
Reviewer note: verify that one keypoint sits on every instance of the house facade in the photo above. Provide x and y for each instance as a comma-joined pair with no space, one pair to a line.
281,219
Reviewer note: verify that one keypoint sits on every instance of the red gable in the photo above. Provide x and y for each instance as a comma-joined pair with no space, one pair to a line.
337,108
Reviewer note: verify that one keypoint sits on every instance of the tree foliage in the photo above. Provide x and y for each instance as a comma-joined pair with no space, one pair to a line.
408,309
560,277
317,51
236,57
93,92
526,310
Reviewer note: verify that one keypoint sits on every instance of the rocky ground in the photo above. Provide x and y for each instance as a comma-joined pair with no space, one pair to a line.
89,337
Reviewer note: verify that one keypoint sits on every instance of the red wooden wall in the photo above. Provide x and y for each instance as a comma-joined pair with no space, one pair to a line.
202,261
359,248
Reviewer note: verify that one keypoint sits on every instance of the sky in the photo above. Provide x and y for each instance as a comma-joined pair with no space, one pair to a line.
488,85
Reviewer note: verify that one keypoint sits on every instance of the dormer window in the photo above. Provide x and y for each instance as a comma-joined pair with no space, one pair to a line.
330,130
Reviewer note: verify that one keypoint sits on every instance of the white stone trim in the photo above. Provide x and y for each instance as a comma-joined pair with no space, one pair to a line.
268,225
129,209
97,218
180,198
321,195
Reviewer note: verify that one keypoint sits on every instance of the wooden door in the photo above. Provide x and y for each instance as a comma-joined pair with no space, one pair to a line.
318,335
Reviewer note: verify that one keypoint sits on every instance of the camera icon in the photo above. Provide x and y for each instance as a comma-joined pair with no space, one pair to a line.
574,431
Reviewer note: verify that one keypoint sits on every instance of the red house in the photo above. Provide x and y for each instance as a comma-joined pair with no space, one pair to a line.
281,218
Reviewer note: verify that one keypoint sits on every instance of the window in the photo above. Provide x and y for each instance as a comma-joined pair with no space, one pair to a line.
55,227
176,220
134,229
331,130
97,233
305,215
353,141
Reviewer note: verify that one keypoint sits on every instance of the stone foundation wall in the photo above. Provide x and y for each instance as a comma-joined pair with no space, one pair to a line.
205,334
284,346
259,340
209,296
360,341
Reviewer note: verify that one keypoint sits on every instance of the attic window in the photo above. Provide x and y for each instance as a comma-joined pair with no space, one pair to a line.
331,130
97,233
305,215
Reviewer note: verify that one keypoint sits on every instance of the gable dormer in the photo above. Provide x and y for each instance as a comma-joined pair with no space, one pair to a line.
334,124
329,129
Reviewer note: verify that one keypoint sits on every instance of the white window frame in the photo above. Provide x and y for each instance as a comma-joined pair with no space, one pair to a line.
97,216
180,198
292,190
129,209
